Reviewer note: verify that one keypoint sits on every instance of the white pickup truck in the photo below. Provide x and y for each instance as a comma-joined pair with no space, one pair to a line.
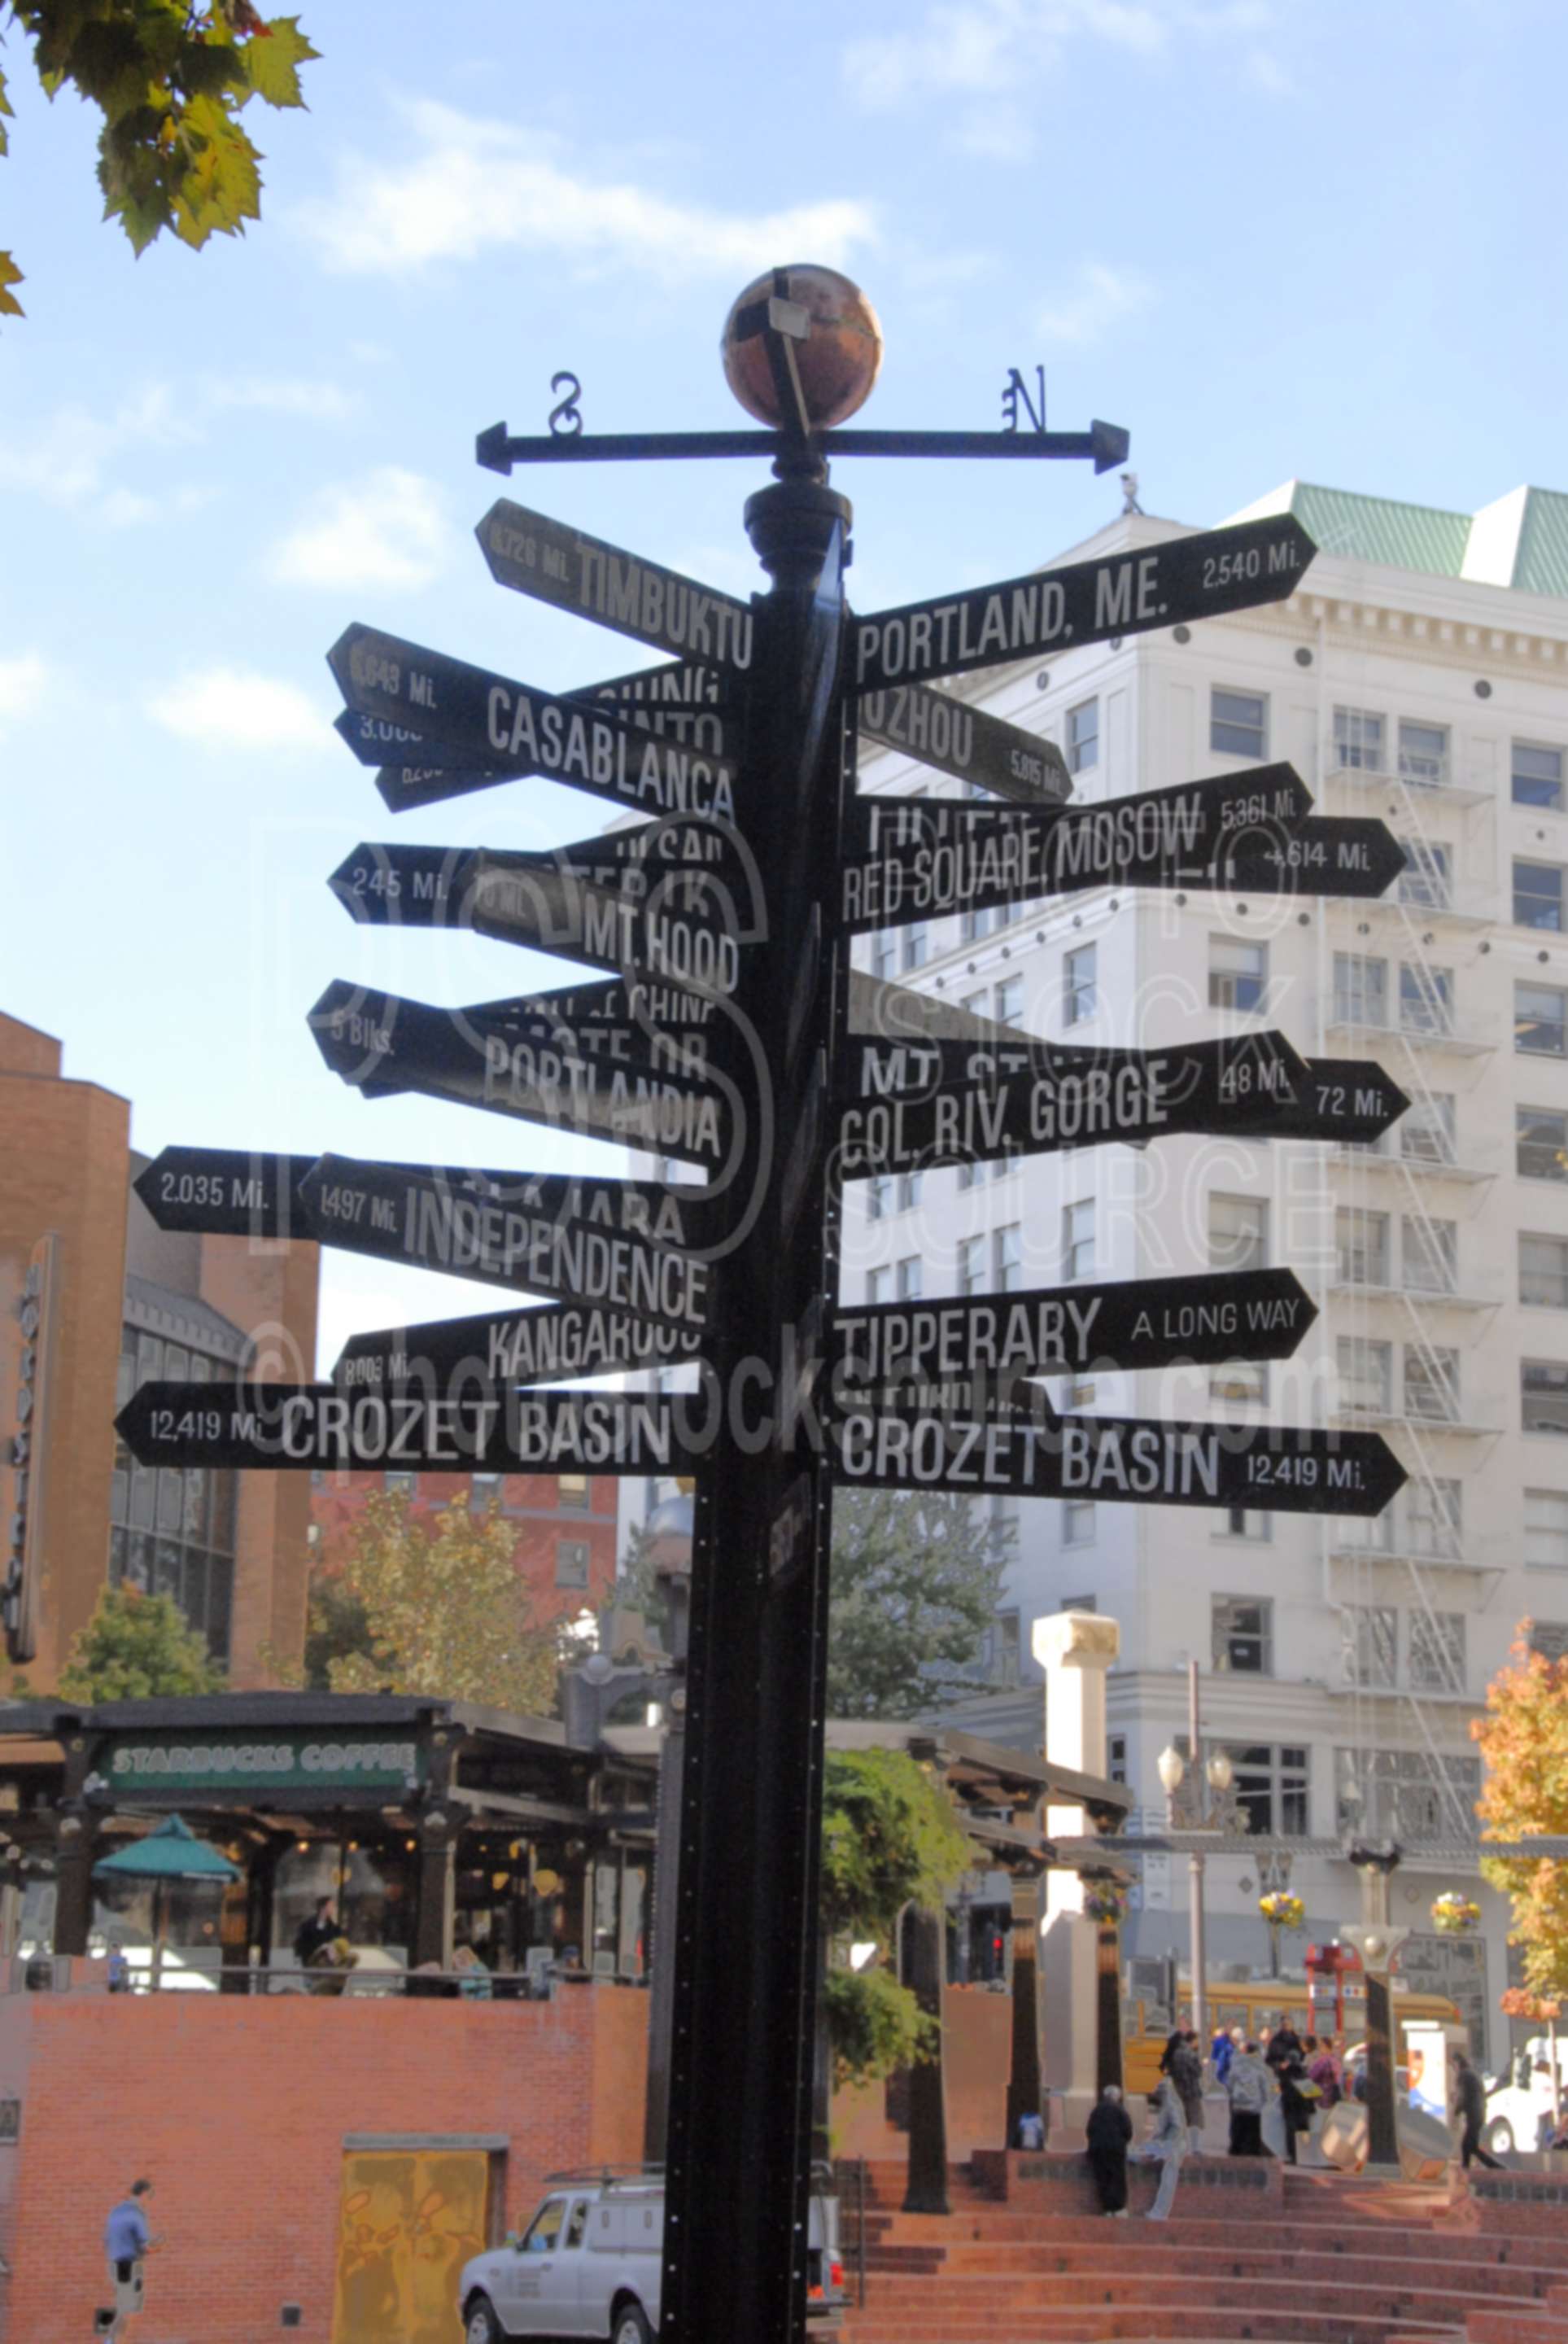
591,2260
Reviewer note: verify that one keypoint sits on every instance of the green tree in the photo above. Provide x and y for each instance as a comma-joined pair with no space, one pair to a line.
136,1646
890,1837
170,80
915,1583
336,1628
444,1610
1524,1739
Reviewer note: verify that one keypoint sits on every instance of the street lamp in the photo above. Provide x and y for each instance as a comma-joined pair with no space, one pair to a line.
1219,1773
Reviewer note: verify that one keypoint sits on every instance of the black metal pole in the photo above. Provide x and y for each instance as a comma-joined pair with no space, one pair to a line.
739,2128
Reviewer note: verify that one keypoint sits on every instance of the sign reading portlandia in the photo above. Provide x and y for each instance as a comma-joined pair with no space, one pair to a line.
918,858
1200,577
481,715
349,1758
554,562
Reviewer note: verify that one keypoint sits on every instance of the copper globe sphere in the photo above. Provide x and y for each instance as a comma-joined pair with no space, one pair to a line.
838,362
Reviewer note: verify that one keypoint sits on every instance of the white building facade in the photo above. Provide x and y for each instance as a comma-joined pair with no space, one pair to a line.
1419,675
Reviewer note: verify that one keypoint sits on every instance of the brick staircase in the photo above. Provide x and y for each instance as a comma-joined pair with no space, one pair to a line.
1253,2250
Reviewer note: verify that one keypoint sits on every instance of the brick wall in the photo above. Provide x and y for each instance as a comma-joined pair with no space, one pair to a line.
531,1508
236,2111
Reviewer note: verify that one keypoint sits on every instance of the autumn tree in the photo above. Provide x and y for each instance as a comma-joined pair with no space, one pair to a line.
915,1583
890,1837
444,1610
171,81
1524,1740
135,1647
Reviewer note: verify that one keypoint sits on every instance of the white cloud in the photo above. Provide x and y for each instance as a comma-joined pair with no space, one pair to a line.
22,681
122,508
387,529
967,50
1101,298
237,708
316,402
471,184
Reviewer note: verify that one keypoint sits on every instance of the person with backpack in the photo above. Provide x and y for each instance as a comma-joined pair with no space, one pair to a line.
1249,2089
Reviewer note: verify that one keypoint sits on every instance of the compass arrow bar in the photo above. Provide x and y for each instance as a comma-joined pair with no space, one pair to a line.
1103,445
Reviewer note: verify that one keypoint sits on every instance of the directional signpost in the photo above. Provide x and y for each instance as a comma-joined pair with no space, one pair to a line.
733,1035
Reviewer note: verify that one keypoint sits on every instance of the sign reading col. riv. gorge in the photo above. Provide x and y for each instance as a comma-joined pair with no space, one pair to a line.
151,1763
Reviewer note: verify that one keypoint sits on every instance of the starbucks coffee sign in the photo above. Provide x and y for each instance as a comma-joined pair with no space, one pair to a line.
232,1761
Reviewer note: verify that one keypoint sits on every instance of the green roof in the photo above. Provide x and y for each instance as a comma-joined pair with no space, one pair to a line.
1375,529
1520,541
1541,565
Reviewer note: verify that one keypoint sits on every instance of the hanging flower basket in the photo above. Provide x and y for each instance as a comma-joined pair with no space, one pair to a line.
1454,1914
1103,1902
1282,1910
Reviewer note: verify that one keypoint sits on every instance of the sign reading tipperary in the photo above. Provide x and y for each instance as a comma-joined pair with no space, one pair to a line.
918,858
554,562
494,719
1200,577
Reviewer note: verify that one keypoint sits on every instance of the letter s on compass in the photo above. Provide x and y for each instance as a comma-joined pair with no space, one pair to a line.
566,421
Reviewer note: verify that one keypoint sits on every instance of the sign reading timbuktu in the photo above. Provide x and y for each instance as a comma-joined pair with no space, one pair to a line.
727,1038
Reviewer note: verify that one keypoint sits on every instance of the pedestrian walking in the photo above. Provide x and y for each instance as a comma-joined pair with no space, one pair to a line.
1325,2070
1284,2044
1110,2135
1186,2072
1470,2109
1221,2051
1248,2086
1166,2146
127,2235
1296,2095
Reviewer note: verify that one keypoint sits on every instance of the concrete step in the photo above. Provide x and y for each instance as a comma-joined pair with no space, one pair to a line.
1149,2323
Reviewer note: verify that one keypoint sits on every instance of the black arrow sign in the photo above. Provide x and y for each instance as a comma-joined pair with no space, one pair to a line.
1158,1322
624,1246
1200,577
533,1070
226,1192
955,738
909,1107
1332,855
300,1428
916,858
1347,1100
553,562
490,1352
1125,1460
471,713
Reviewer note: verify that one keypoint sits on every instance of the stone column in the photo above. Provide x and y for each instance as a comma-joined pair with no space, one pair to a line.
1075,1648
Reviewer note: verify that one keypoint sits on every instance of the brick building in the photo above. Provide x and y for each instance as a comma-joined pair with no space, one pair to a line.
564,1526
94,1300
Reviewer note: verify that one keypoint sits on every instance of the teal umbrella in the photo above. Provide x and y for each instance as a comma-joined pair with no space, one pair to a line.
173,1852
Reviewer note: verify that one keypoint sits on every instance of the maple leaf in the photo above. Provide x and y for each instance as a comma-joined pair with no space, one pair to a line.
5,108
9,275
271,59
219,188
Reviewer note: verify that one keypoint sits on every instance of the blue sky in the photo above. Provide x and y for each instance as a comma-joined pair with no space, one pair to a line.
1270,237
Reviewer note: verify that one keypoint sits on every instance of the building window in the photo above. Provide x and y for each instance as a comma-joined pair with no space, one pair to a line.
1404,1793
1425,999
1361,1247
1361,990
1432,1384
1009,1257
1429,1256
484,1490
1238,1232
1239,724
914,941
1242,1522
1424,754
1083,736
880,1197
1238,974
1009,1001
1371,1644
1241,1633
1078,1603
1544,1272
1270,1784
910,1190
1427,879
1009,1648
1543,1395
1537,776
1366,1375
571,1562
969,1175
401,1485
1546,1530
572,1492
1427,1130
1077,1529
1436,1651
1358,740
911,1278
1116,1757
1080,996
1077,1238
1541,1143
885,954
971,1265
1538,895
1541,1020
1433,1519
879,1284
1549,1638
975,926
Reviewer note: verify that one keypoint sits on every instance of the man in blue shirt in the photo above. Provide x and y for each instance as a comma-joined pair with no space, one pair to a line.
127,2238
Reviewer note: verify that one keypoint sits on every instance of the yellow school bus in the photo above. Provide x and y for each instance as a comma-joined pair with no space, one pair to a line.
1264,2002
